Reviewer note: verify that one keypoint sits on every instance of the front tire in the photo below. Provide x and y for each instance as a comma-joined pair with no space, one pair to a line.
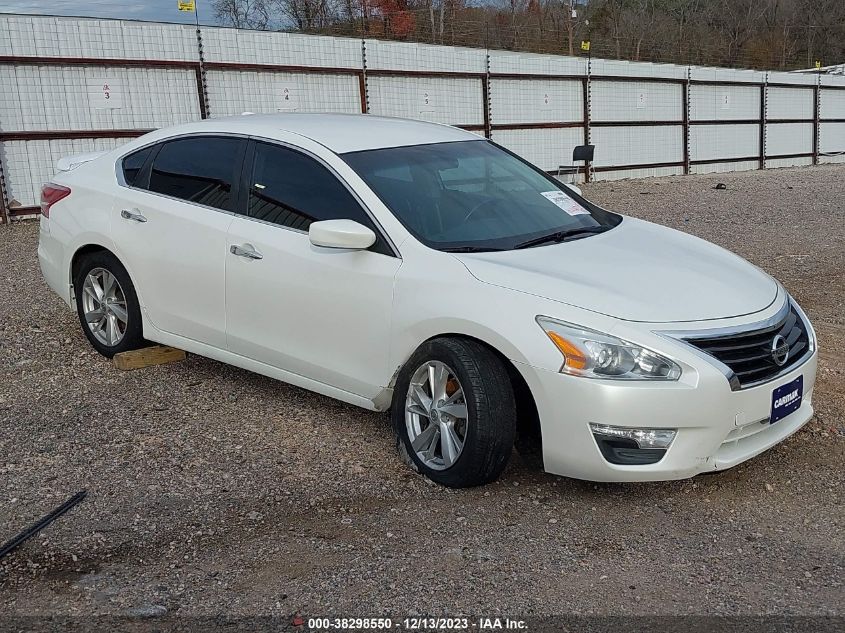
454,412
107,304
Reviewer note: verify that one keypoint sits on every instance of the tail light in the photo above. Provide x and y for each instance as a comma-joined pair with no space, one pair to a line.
50,195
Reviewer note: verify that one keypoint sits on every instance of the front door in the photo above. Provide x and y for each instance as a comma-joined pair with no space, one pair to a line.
317,312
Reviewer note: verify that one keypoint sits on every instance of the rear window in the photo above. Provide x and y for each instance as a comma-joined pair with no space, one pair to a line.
198,169
134,163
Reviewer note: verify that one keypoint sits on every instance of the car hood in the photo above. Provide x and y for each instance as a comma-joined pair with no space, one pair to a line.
637,271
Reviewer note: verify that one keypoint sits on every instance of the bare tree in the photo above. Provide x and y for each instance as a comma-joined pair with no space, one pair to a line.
755,33
242,14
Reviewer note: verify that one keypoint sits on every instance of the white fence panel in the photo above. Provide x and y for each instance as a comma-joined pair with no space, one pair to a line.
642,172
439,99
235,92
789,103
701,73
287,49
714,142
832,142
78,37
29,164
536,100
637,145
531,63
644,70
723,102
548,149
721,168
96,98
424,57
796,79
635,101
797,161
832,104
789,138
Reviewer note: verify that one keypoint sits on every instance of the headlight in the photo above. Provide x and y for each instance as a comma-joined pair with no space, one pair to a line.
596,355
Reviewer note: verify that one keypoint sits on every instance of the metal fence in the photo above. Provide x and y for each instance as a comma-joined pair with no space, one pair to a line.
74,85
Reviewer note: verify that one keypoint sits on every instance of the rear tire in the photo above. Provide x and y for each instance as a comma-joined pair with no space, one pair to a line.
107,304
458,425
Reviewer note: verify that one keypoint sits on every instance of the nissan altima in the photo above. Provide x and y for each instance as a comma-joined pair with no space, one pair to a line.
420,269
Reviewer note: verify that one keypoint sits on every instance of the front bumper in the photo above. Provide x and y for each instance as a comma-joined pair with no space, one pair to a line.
717,428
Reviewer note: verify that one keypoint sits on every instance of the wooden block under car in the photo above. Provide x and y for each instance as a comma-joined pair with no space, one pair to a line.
147,357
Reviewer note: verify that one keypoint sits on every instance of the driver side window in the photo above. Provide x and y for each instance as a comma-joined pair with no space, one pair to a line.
291,189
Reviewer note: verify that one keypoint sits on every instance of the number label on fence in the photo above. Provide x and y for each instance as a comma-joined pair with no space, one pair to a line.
641,100
427,101
726,101
288,99
105,94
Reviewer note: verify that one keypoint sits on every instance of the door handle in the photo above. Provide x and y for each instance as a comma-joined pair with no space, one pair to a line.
134,214
245,250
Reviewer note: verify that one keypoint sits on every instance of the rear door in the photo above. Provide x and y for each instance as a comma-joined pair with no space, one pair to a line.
321,313
169,226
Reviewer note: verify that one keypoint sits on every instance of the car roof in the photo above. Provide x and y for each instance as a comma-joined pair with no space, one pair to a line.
340,133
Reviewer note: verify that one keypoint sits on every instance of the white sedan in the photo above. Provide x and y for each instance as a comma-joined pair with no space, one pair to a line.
418,268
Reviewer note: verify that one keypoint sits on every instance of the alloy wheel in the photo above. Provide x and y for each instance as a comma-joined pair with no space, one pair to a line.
436,415
104,306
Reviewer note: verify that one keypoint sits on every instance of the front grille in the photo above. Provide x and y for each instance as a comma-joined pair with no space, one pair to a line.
749,354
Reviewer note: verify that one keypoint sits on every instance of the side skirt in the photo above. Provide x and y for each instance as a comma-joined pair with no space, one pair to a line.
151,333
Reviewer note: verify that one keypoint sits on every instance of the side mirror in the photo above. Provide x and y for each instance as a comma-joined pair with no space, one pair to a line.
574,188
341,234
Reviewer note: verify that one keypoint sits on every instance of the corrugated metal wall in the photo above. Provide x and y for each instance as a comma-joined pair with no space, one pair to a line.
72,85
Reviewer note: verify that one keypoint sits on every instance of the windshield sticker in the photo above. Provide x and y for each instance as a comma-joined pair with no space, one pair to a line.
560,199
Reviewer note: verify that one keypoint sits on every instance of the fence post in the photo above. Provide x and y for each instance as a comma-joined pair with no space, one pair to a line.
586,85
685,104
816,105
4,196
485,96
764,94
362,79
202,85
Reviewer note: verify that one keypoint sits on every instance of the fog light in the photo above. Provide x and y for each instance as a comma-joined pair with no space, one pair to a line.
632,446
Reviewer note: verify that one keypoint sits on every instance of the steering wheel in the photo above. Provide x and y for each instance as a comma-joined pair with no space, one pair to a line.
481,204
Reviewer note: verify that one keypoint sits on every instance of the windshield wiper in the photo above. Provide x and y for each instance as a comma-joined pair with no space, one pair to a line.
562,236
470,249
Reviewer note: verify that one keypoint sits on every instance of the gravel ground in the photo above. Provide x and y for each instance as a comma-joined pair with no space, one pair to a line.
213,490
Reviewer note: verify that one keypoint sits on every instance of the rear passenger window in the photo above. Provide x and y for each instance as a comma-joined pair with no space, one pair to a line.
133,164
294,190
197,169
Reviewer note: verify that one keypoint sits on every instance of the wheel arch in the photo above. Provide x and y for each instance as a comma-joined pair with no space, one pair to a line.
132,336
528,418
80,253
89,247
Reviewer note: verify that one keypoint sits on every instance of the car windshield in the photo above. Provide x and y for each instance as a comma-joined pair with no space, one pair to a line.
474,195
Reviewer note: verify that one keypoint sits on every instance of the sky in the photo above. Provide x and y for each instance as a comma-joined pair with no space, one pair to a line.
156,10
